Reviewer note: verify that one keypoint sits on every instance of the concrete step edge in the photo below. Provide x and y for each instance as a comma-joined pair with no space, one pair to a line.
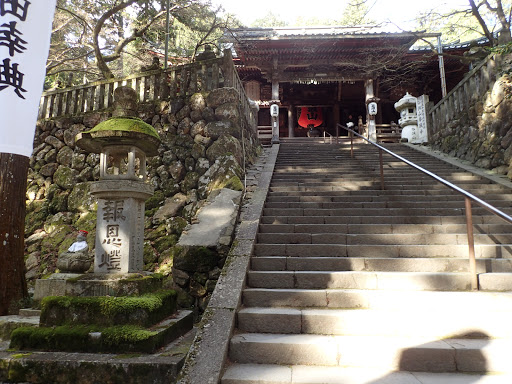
447,355
277,374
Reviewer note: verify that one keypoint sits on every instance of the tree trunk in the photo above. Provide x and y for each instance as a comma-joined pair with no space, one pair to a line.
13,186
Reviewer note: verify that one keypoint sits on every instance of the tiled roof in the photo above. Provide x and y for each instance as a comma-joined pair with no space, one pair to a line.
319,31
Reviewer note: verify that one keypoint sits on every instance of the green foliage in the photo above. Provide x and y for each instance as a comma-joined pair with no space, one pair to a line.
194,23
354,13
502,49
270,20
455,26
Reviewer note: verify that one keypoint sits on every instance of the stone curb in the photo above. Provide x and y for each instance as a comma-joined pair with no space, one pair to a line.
205,360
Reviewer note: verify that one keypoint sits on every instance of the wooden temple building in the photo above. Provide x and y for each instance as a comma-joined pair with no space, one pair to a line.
331,72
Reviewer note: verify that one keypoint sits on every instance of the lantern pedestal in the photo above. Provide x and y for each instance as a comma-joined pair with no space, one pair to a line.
120,225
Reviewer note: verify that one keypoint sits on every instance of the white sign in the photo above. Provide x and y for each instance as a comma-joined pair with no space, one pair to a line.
421,112
372,108
274,110
25,29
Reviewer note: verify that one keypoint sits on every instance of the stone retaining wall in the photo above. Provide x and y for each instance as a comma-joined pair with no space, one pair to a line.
205,146
482,133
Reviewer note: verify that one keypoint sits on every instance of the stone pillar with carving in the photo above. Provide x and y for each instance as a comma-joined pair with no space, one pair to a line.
422,104
123,142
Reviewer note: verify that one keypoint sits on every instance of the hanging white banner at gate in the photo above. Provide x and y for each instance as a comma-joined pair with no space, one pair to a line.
25,30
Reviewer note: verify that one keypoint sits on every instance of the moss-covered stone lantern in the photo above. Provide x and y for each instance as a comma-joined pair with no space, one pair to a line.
123,142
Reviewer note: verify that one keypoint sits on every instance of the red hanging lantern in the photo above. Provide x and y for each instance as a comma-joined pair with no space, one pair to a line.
310,116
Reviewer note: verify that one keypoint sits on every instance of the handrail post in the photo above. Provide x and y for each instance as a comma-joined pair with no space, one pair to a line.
381,171
471,245
351,144
337,134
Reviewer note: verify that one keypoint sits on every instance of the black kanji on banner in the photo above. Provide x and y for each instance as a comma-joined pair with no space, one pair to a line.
11,76
18,8
10,37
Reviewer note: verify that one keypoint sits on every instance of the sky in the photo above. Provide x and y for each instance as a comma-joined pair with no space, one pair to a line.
399,11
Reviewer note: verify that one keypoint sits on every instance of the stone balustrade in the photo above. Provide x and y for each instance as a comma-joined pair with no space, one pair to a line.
175,82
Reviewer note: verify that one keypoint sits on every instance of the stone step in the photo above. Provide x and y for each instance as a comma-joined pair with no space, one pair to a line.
382,238
495,281
381,251
416,281
403,211
306,374
380,219
328,198
12,322
282,263
376,192
85,368
378,299
347,204
471,322
383,228
369,185
404,354
29,312
334,175
390,183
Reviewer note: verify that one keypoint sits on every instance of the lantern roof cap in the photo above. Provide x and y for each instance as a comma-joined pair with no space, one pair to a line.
407,101
131,131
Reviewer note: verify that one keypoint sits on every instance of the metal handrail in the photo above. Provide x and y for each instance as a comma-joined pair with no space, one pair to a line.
330,137
468,197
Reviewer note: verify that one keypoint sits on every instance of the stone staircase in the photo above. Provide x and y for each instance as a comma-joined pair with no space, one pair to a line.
353,284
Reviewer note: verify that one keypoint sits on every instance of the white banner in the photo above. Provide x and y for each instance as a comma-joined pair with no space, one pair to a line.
25,29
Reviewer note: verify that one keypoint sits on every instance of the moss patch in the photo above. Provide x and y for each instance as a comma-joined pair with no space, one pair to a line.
126,124
106,310
77,338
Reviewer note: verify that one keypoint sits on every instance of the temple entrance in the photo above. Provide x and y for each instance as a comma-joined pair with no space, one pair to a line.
332,102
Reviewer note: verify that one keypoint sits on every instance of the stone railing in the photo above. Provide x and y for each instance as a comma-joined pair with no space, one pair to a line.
175,82
474,85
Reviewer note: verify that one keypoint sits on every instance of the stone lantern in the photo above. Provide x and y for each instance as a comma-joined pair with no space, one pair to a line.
408,121
123,142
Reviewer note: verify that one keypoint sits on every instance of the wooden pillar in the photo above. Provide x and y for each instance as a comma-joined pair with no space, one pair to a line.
13,187
291,121
368,84
336,113
336,108
370,122
275,79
